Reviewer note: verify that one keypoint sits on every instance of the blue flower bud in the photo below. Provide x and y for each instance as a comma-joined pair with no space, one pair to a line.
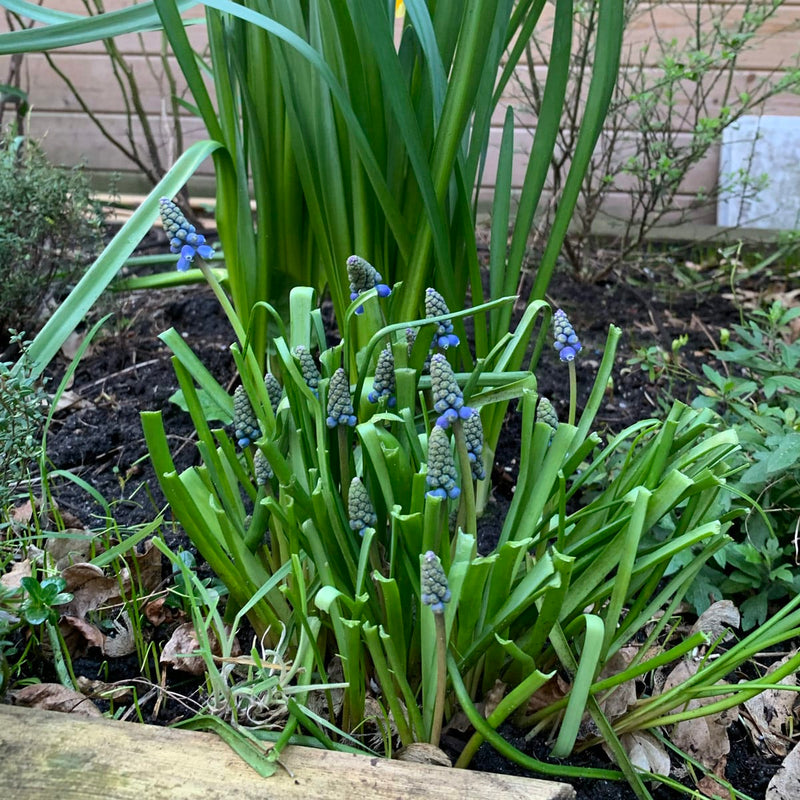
383,384
435,306
448,400
360,511
262,468
340,406
183,237
566,340
245,424
434,591
363,277
274,391
473,434
547,414
308,369
442,478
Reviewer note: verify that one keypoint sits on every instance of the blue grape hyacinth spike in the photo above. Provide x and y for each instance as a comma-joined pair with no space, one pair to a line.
340,405
183,237
363,277
434,591
442,478
435,306
360,511
566,340
448,400
383,384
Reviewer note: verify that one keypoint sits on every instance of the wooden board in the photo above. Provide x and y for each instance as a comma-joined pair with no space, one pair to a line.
64,756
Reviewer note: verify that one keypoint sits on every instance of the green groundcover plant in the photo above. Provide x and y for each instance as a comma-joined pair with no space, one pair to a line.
756,391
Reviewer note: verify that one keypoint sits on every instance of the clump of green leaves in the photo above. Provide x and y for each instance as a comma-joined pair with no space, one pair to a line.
757,391
49,227
32,605
323,550
22,408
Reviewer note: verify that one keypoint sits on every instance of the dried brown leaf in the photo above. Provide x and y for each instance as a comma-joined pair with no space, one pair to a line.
717,620
183,642
13,578
55,697
105,691
91,589
770,714
158,612
79,634
72,547
616,703
646,752
493,698
123,642
703,738
424,753
71,400
785,783
21,514
554,690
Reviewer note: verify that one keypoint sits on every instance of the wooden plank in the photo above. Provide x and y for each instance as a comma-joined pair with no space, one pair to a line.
47,754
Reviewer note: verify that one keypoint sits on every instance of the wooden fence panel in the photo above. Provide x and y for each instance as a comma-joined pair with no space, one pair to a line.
70,137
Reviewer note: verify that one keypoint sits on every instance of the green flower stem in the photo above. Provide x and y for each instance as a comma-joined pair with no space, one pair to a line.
573,392
510,703
258,524
344,462
466,519
61,659
441,678
508,750
224,301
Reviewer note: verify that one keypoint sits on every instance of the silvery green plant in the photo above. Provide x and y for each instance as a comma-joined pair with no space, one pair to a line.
349,527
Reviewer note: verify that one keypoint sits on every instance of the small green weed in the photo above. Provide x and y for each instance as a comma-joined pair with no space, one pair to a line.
757,391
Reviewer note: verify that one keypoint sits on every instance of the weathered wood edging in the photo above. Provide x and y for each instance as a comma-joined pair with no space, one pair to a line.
49,754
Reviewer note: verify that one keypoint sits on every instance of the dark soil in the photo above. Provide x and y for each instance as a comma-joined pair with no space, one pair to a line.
128,370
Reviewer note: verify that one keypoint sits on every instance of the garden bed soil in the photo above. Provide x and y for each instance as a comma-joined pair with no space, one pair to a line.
127,370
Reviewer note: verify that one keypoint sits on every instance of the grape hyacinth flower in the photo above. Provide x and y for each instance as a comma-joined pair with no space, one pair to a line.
383,384
245,424
308,369
435,306
547,414
274,391
360,511
183,237
363,277
448,400
442,477
566,340
433,583
340,406
262,469
473,435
